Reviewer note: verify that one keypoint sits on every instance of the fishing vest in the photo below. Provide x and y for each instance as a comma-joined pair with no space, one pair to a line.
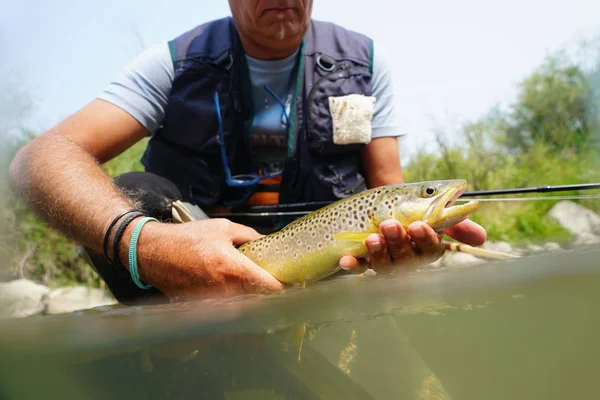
332,61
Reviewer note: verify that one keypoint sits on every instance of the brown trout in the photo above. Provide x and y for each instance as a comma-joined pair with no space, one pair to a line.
310,248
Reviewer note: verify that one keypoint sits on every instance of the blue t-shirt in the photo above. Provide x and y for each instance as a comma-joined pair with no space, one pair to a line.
272,92
143,87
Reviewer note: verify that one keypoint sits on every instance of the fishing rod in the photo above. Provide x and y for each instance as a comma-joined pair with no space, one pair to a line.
303,208
538,189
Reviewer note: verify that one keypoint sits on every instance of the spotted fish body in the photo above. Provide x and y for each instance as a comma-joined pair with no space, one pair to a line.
311,247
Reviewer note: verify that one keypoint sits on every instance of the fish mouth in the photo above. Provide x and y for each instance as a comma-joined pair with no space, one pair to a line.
443,213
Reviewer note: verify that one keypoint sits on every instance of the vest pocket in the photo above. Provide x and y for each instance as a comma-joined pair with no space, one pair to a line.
193,125
197,177
342,176
342,82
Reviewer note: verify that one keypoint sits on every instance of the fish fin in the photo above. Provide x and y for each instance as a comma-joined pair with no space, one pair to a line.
352,236
300,336
180,212
189,356
293,341
145,361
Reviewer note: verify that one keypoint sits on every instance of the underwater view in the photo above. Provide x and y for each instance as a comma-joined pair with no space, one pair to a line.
521,329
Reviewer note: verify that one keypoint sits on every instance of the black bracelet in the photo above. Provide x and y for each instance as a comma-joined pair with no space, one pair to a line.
107,234
119,235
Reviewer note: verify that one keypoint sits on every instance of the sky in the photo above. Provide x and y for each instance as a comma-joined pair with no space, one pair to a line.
451,60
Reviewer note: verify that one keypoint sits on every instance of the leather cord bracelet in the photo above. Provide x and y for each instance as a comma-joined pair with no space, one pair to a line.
119,234
107,234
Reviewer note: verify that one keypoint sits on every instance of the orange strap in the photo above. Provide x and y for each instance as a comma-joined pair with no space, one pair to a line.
266,198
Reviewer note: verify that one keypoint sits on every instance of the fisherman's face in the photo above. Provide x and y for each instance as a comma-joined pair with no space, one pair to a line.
272,23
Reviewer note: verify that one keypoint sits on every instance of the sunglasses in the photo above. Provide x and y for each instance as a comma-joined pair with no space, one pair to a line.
244,180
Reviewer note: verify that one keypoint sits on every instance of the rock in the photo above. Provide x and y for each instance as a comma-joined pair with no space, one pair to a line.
69,299
586,239
21,298
457,259
580,221
453,259
534,248
552,247
437,264
502,247
8,275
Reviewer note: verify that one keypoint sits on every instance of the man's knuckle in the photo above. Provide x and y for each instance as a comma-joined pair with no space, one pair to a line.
223,224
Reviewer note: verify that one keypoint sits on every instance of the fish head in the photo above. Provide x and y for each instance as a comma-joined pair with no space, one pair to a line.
431,202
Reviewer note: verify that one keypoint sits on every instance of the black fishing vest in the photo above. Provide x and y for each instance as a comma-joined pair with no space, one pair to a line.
332,61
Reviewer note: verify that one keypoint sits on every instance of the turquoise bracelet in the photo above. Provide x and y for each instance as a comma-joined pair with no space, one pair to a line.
133,253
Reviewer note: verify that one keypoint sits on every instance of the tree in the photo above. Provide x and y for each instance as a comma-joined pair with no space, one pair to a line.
557,106
550,135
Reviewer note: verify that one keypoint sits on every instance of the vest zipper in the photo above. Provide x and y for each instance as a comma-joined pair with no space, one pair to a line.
311,94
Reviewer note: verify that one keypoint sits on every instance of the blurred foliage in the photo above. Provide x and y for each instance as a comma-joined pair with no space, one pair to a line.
29,247
549,136
128,161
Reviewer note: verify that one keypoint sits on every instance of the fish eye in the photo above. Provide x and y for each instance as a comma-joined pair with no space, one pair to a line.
429,191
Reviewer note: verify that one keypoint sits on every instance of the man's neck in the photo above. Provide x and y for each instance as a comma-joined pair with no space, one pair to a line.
262,52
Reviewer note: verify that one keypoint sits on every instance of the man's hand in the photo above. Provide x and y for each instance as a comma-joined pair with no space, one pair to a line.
199,259
400,248
397,248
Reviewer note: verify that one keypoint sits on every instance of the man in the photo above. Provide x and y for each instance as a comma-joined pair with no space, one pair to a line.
227,104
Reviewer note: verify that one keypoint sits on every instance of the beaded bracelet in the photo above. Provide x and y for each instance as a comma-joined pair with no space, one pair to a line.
133,253
107,234
119,234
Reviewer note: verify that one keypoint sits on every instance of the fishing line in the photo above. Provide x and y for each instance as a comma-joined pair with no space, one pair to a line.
278,210
574,197
294,213
259,214
538,189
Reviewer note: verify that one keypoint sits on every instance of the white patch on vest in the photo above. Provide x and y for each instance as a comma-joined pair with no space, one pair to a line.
351,116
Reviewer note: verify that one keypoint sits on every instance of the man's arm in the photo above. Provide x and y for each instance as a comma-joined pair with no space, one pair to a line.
381,161
381,158
59,175
60,170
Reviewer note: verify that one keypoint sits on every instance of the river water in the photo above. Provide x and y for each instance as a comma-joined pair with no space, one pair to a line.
518,329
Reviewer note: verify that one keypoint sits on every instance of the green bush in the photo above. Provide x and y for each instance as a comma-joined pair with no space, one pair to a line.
35,251
549,136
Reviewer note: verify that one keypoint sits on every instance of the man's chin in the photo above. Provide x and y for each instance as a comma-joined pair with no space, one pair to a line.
284,30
